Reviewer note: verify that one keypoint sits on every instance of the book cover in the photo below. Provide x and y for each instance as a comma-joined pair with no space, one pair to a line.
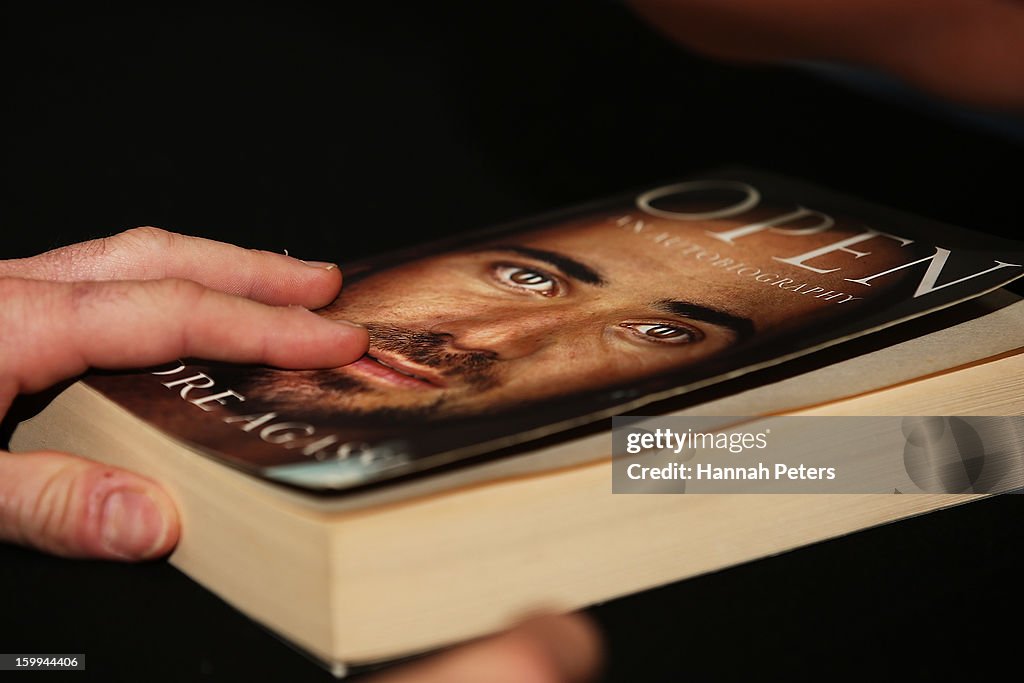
514,333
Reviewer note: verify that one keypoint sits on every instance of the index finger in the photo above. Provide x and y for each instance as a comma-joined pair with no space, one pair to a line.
151,254
52,330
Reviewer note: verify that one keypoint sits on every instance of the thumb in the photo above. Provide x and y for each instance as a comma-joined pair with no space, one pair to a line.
68,506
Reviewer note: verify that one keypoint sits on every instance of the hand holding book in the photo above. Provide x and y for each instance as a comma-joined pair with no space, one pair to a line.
414,490
145,296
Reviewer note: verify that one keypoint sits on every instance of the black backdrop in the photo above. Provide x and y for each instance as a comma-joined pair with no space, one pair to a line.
339,132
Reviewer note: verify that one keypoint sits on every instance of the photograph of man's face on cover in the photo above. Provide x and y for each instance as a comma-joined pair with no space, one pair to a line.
495,338
595,301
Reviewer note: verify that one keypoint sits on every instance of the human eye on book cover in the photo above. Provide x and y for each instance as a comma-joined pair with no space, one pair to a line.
503,336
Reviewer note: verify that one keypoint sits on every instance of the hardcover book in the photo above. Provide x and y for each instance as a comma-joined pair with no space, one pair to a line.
459,474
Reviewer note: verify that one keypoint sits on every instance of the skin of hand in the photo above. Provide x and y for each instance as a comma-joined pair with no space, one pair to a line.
971,51
140,298
148,296
543,649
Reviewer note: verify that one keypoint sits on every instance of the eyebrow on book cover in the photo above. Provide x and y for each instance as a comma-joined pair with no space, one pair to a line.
743,327
567,264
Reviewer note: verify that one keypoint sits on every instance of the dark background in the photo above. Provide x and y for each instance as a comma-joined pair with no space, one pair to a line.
339,132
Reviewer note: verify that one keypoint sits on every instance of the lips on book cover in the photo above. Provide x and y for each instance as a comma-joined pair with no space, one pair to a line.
506,335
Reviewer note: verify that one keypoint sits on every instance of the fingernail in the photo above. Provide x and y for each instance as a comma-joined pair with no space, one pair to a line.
133,524
349,323
323,265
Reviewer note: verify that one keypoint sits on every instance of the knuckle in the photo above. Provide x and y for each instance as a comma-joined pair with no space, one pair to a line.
44,513
176,297
48,519
106,257
177,289
127,247
147,236
66,514
109,257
